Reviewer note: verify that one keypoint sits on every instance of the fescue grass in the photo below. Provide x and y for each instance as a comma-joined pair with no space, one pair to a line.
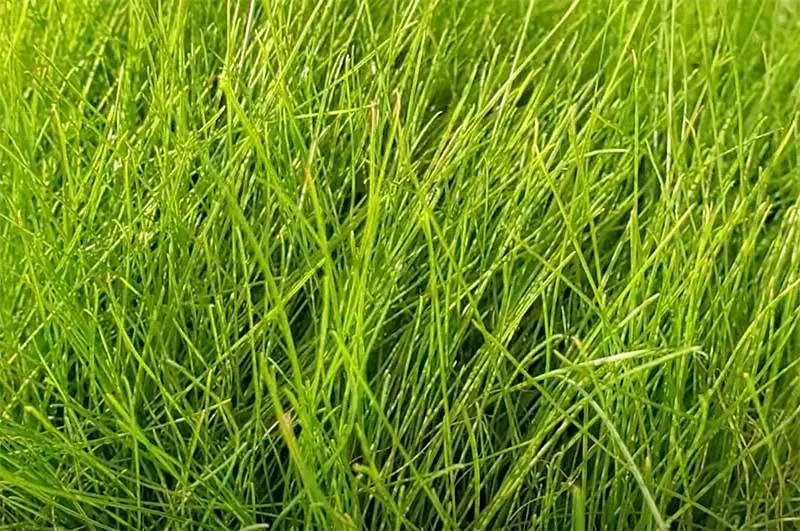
367,264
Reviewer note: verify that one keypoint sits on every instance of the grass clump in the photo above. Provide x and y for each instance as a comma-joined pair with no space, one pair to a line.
454,264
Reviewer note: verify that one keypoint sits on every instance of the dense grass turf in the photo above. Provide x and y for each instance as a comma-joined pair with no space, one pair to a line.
456,264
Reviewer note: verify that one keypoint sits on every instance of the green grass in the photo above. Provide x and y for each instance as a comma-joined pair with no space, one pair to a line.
383,264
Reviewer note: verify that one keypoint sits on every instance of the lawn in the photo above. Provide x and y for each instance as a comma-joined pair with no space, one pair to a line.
399,264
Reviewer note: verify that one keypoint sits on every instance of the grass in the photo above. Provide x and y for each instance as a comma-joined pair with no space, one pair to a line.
351,264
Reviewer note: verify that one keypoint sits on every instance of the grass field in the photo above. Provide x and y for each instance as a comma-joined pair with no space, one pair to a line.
384,264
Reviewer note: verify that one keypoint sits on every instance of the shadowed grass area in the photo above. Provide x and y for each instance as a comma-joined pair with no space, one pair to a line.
362,264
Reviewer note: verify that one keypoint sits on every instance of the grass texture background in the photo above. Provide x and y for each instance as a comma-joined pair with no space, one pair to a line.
362,264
